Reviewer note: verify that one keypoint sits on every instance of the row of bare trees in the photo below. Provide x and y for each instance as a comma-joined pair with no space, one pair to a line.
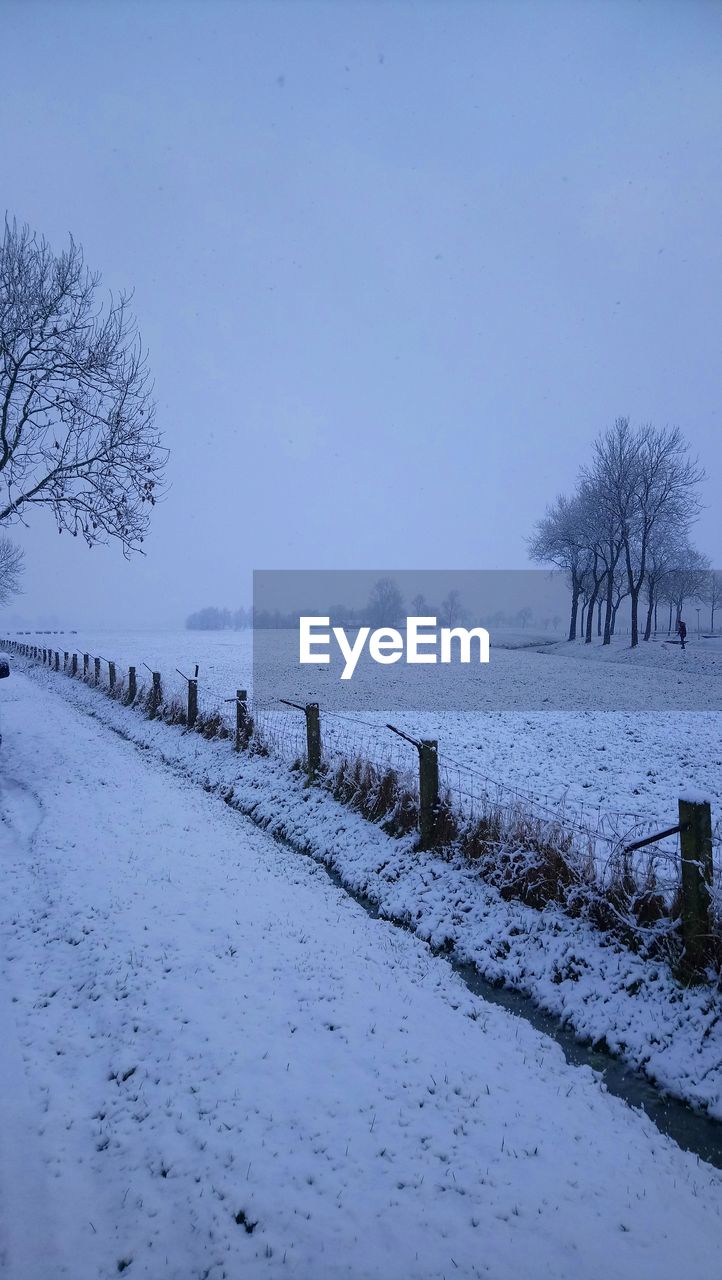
625,533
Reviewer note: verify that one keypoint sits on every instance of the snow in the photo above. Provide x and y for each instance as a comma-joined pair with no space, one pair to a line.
598,988
690,796
229,1068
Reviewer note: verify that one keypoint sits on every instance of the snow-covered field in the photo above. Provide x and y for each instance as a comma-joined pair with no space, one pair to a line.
633,762
215,1064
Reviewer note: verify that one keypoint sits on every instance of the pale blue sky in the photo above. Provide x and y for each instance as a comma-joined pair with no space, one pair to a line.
396,265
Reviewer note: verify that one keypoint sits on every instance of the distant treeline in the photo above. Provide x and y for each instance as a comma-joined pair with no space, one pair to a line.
212,619
385,607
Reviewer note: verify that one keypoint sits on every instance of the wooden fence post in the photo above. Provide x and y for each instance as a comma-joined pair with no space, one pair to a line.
156,694
57,660
313,740
75,664
192,702
86,661
96,665
132,685
695,819
428,792
111,676
65,660
241,717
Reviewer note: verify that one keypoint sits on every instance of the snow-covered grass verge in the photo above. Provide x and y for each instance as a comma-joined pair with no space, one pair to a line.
607,994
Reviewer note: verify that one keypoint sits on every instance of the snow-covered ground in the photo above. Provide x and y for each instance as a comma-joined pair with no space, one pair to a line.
594,985
215,1063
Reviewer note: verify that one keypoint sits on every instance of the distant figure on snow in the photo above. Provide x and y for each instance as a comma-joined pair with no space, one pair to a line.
682,632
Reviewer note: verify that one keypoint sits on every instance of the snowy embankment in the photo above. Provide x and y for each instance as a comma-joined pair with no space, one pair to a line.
597,987
224,1067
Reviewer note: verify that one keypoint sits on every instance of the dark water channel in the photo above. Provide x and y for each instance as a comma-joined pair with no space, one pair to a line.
690,1129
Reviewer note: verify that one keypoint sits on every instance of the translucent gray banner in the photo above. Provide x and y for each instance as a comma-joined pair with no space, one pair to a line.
476,641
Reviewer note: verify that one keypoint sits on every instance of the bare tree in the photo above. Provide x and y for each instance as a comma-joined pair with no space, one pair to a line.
451,610
659,488
420,608
385,604
558,539
663,555
11,569
604,489
76,407
688,580
713,596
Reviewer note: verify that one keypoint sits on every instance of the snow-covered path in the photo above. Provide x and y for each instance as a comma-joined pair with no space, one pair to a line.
216,1064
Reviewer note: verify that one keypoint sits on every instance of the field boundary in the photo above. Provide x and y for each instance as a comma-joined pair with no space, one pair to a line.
616,870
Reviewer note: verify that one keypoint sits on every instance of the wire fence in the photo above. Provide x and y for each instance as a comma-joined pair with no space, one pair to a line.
518,836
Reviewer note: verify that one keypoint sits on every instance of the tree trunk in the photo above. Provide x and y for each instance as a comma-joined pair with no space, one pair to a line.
634,596
669,628
575,609
610,611
648,623
590,616
635,586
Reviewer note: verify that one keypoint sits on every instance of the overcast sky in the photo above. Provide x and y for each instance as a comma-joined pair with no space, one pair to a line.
395,264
